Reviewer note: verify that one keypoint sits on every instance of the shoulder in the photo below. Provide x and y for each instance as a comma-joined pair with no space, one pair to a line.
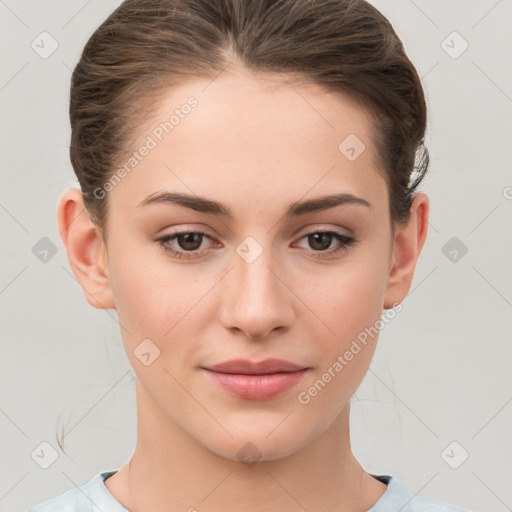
398,498
93,496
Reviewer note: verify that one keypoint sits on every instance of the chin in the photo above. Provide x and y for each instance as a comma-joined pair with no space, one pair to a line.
251,445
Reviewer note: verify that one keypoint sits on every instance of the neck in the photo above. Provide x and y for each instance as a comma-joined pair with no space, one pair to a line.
171,471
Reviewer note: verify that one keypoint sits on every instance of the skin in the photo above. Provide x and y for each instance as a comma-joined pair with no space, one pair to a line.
255,144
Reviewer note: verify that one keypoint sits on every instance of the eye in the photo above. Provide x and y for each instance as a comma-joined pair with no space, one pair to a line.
320,241
188,243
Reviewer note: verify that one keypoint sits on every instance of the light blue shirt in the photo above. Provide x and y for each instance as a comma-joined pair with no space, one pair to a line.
94,496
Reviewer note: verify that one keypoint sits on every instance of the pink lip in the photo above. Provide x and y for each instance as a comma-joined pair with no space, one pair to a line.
256,381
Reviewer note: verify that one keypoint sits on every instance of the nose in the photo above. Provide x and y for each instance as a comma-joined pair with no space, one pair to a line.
256,300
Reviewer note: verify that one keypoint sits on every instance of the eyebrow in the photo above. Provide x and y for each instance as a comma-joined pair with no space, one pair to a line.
204,205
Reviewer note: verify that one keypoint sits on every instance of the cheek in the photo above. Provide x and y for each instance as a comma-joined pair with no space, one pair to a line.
349,302
350,306
160,301
348,299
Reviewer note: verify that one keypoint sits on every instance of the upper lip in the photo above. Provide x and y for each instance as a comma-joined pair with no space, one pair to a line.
244,366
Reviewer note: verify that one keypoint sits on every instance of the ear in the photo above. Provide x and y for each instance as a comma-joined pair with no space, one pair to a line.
86,250
409,240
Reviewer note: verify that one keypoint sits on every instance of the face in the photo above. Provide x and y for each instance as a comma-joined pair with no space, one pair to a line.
246,265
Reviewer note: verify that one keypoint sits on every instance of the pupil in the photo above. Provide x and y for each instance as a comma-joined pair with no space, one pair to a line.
324,239
190,241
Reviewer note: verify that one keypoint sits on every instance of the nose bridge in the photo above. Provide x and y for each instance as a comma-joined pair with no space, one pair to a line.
256,280
257,300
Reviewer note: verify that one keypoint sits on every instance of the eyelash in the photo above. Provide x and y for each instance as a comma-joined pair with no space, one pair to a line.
345,240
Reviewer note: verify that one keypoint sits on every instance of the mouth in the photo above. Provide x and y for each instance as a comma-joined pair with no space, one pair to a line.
256,381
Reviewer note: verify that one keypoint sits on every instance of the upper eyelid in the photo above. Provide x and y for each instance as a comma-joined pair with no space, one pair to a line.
212,238
313,229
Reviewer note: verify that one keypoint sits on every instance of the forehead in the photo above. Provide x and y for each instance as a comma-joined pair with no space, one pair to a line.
252,135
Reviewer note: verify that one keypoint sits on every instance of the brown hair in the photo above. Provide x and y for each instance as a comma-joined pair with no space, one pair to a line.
146,46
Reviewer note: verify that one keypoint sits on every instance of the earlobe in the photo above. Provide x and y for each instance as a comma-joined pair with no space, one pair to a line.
409,240
85,249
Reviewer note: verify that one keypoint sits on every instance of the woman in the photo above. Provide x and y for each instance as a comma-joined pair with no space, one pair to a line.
247,206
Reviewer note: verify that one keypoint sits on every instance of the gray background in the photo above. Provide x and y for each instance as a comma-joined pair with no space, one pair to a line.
441,373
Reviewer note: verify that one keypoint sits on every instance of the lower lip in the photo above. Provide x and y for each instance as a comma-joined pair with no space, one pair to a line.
257,387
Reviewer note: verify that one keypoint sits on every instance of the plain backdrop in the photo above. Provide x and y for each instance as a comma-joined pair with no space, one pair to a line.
435,410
